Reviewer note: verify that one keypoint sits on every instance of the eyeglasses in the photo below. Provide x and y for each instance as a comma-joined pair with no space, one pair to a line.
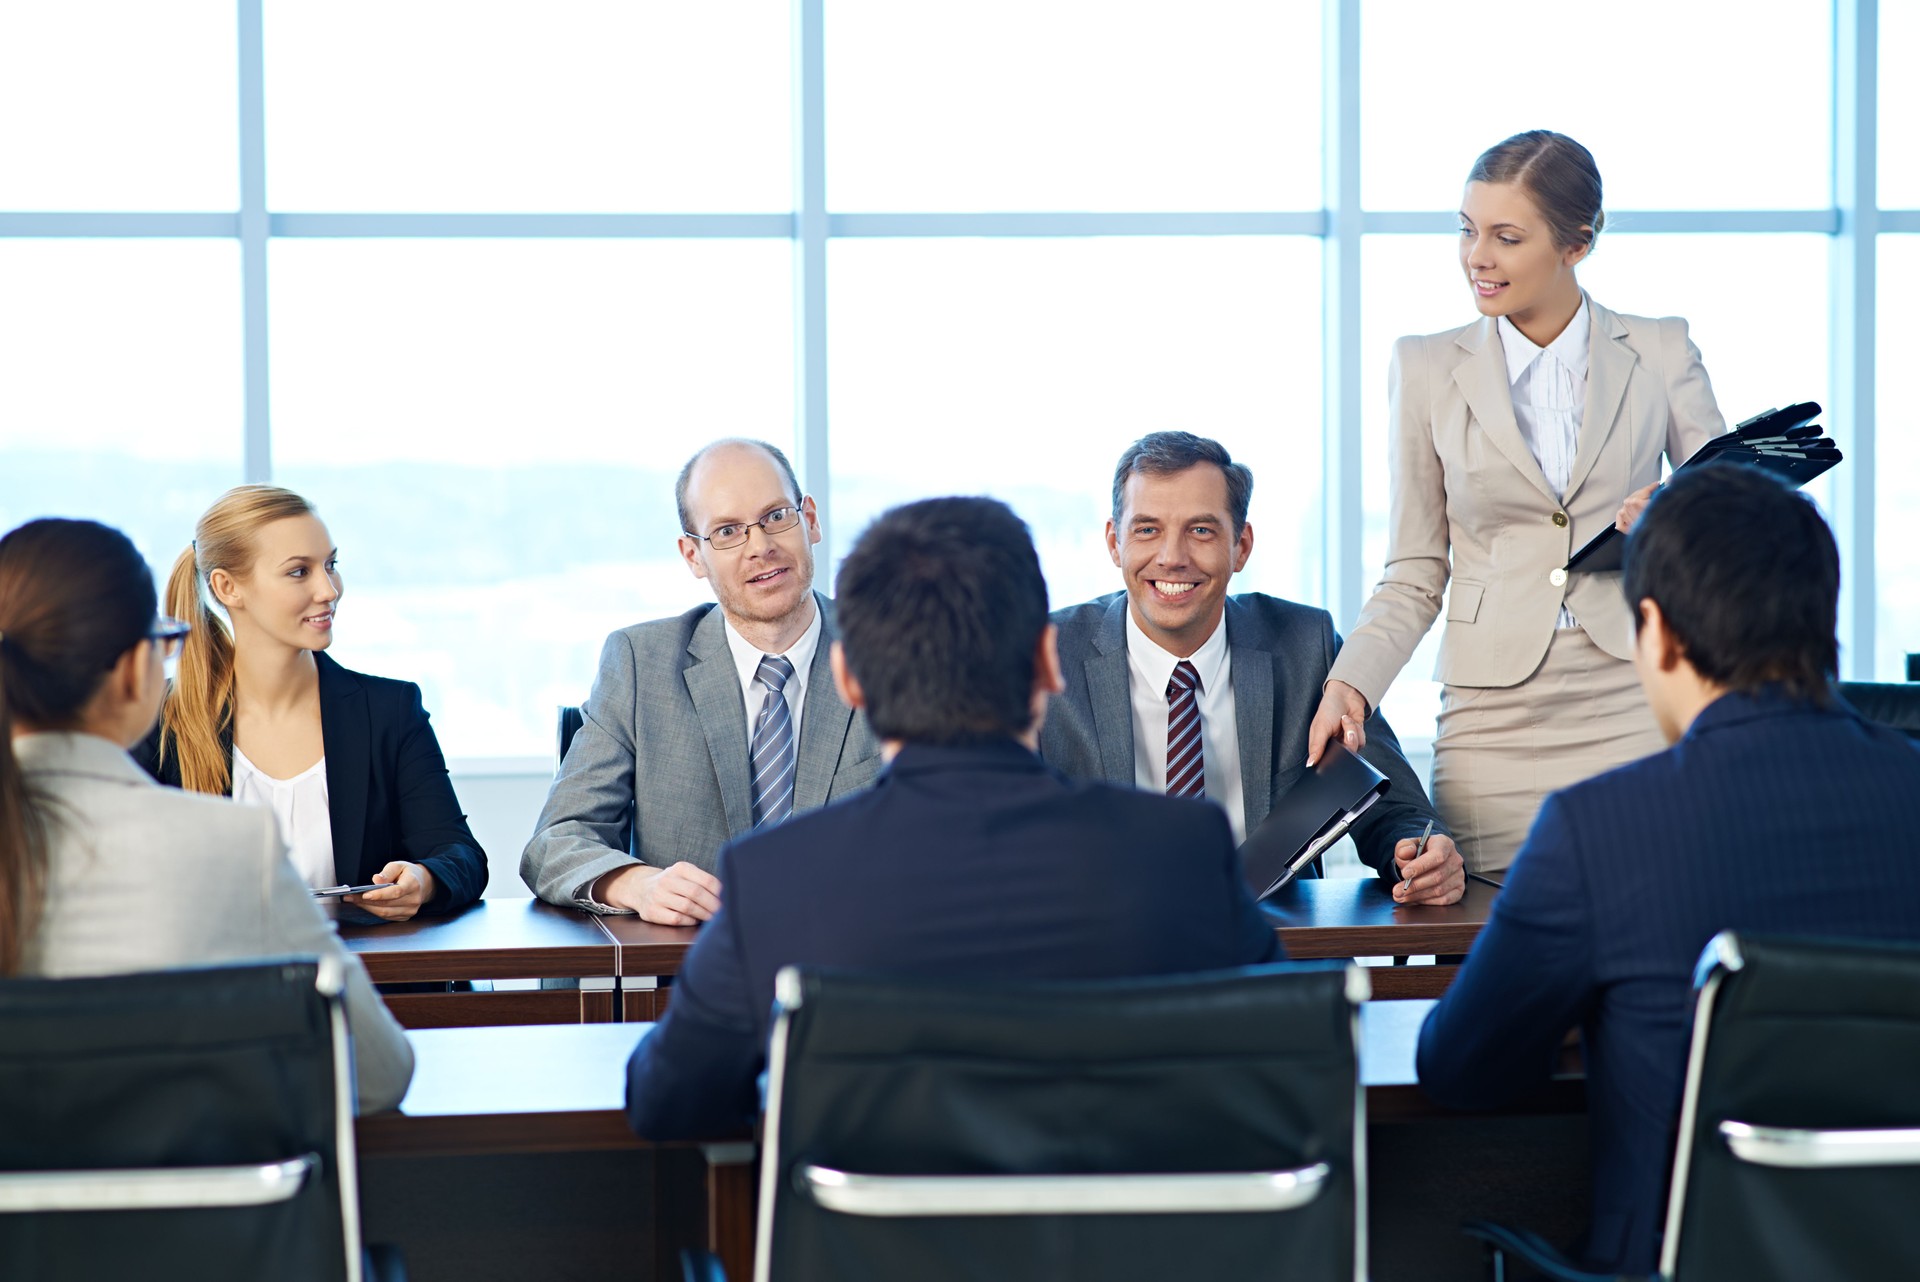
168,635
777,521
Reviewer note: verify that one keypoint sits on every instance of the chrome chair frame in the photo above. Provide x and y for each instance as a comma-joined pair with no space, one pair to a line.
1227,1192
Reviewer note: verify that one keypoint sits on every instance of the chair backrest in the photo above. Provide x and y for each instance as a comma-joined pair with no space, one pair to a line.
1799,1144
1888,702
1195,1126
189,1123
570,722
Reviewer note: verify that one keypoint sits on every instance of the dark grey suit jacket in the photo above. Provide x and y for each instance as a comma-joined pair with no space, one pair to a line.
658,771
1280,655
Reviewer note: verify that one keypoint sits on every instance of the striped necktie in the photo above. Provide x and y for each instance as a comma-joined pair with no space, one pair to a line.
771,756
1186,754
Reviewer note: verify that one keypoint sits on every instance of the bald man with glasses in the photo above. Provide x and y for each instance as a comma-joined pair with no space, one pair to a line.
707,725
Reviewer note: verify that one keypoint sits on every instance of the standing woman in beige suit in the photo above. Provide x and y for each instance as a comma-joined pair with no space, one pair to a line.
1516,439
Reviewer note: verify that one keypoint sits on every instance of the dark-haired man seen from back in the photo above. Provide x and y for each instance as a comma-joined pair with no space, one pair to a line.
969,857
1776,810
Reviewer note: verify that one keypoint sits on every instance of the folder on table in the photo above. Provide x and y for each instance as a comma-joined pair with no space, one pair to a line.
1315,812
1787,443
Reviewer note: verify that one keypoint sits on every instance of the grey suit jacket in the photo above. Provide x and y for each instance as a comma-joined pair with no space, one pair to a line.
1281,652
145,877
658,770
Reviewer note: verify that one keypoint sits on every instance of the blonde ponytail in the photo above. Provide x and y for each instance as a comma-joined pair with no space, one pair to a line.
199,707
199,710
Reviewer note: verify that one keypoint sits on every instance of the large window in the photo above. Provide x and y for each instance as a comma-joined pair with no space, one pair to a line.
479,285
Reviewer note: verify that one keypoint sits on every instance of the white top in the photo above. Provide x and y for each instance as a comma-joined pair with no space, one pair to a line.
299,805
1149,669
746,661
1550,398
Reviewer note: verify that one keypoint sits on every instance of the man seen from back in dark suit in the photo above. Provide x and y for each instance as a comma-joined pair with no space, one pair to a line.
969,856
1777,810
1174,686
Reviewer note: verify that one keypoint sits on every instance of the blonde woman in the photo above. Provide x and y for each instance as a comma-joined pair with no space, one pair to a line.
1516,439
348,762
102,872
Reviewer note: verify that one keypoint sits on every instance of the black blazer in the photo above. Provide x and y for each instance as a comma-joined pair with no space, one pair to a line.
959,862
1769,816
388,794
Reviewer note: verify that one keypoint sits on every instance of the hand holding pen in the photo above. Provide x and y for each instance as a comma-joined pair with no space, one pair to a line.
1430,869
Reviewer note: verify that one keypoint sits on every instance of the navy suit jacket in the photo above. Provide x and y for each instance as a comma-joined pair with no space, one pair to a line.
1769,815
388,794
1281,652
966,862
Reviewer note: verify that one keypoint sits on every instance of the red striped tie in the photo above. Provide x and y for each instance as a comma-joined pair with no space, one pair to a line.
1186,755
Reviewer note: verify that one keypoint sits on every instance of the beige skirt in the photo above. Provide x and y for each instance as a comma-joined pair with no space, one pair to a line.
1497,753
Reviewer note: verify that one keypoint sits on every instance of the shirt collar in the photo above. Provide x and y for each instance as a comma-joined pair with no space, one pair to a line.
1570,349
1154,665
746,658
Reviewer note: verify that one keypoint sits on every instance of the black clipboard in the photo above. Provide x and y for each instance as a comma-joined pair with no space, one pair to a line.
1316,812
1786,442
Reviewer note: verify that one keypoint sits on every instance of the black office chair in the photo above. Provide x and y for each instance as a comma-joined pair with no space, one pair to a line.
1891,703
1195,1127
570,723
1799,1140
180,1124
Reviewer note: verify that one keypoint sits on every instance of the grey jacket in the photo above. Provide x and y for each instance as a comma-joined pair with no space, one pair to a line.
1281,653
658,770
145,877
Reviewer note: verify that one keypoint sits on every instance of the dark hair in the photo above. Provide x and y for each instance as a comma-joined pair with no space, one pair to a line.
1747,576
686,473
1557,173
941,606
74,597
1163,453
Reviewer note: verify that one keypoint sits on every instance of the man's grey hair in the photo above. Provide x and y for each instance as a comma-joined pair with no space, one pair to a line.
1164,453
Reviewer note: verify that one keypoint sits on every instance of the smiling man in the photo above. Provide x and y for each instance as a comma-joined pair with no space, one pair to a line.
704,726
1175,686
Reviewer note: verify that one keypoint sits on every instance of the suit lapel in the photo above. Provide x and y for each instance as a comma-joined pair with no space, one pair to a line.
1482,380
823,722
1253,709
346,736
1610,365
1109,691
713,683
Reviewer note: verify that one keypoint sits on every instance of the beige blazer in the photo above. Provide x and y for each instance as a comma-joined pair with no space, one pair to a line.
145,877
1468,493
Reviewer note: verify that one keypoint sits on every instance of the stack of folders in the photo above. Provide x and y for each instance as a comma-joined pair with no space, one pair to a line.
1787,443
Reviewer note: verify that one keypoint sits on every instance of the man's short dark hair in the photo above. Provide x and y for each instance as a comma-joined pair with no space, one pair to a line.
1747,576
686,474
941,606
1164,453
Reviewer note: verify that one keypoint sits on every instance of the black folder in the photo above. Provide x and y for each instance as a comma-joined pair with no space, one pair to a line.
1314,813
1787,443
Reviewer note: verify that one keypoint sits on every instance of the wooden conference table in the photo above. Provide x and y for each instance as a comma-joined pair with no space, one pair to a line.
618,969
510,1157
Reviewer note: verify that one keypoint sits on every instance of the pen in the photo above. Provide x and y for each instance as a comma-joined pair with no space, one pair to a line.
1419,846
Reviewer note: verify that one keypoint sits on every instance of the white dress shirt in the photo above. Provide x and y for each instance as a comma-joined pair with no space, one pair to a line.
1550,398
746,660
300,807
1149,669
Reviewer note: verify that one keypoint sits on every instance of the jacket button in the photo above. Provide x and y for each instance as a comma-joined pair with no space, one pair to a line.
1560,519
1557,577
